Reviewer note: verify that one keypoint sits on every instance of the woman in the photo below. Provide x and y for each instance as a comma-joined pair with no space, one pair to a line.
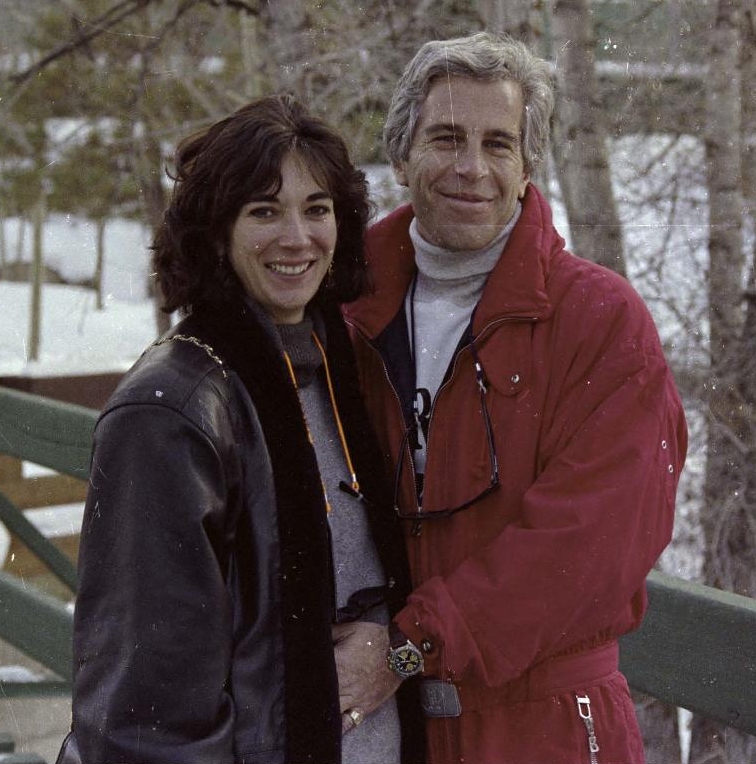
233,511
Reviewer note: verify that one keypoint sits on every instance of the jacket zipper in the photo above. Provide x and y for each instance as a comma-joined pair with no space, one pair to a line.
455,362
584,711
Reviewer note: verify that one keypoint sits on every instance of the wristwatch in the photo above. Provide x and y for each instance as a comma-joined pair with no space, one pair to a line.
404,658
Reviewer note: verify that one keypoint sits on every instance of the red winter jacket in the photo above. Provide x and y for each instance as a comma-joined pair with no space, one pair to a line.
590,436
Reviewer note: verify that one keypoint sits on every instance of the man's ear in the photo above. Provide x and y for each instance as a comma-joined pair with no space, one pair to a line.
523,185
400,173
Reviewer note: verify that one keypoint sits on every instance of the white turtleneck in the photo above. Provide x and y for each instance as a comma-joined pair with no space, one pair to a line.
438,306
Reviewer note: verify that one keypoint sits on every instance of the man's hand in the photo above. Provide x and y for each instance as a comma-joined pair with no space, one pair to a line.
365,680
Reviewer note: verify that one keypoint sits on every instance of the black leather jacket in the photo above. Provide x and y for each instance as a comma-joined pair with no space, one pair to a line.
202,625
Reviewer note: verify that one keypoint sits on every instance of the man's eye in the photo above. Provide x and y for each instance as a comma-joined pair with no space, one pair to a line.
450,140
501,147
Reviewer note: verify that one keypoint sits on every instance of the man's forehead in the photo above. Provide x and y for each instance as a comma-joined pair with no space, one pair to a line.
472,106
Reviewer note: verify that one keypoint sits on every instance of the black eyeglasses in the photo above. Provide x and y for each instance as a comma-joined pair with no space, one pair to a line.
493,484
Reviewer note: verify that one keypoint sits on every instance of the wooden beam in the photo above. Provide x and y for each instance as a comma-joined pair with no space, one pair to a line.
696,649
54,434
10,468
39,625
24,564
44,491
56,561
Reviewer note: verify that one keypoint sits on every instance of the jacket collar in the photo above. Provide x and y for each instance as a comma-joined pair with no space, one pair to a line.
516,288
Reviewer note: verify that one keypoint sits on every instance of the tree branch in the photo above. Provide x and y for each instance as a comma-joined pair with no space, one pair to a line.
86,32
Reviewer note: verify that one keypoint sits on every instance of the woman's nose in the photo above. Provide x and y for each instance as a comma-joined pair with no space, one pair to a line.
295,232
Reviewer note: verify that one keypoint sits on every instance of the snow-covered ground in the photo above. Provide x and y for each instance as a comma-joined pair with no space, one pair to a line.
75,337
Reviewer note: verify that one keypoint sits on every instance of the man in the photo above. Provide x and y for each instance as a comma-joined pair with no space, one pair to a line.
530,420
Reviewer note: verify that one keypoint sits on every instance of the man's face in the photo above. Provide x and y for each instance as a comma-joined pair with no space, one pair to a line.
465,169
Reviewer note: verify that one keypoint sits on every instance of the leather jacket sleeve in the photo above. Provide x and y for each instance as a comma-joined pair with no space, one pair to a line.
152,631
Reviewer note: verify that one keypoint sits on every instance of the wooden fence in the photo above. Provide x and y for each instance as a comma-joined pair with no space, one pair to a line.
696,648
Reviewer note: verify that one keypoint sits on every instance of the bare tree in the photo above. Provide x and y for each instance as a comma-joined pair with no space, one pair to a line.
729,516
523,19
579,144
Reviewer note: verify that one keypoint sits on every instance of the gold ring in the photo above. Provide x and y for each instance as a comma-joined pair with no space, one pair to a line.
355,716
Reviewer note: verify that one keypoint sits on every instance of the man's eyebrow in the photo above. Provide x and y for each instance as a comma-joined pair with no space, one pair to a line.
319,195
444,127
450,127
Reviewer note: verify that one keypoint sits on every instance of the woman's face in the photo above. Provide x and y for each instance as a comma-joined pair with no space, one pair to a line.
282,244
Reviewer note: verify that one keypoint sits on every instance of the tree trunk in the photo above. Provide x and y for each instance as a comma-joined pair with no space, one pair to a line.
148,167
520,18
35,304
3,244
579,144
289,45
251,54
100,261
748,165
659,727
155,202
20,238
728,514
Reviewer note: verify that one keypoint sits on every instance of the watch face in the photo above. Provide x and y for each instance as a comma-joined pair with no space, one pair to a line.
407,660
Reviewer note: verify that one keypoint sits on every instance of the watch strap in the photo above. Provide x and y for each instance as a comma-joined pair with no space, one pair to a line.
397,637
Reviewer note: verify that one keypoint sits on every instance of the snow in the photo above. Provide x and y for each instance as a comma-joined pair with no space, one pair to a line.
76,338
19,674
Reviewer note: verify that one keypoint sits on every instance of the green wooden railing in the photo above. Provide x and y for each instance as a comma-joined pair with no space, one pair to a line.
696,648
55,435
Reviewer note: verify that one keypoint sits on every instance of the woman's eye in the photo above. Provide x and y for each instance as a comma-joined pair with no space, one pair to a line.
261,213
320,210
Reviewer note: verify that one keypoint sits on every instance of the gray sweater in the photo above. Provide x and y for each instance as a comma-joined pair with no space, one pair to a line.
355,559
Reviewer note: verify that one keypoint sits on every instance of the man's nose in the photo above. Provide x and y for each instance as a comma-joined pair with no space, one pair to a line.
470,161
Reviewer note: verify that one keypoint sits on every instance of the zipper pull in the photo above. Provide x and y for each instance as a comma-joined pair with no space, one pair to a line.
584,710
352,490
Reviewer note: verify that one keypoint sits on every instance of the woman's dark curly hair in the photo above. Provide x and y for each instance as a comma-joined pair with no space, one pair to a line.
219,169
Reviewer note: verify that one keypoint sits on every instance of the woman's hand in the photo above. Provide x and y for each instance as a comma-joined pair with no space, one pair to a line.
365,680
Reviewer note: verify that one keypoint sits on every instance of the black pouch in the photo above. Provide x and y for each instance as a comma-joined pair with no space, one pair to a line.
439,699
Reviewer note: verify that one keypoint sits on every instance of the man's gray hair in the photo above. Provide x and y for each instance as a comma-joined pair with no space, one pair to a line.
482,56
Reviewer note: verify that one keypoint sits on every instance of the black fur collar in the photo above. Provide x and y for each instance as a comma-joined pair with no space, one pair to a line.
250,348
